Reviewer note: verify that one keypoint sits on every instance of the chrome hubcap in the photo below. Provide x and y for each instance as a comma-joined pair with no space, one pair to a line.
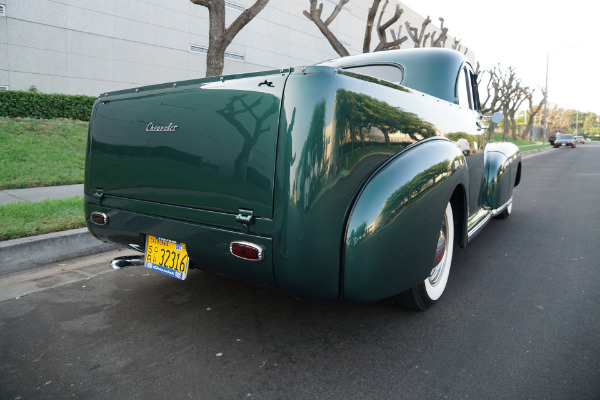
439,265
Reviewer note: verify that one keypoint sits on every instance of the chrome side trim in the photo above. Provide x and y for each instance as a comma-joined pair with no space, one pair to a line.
477,228
499,210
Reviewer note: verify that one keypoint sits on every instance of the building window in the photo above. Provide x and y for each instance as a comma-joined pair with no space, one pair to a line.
335,3
3,87
235,6
2,10
194,48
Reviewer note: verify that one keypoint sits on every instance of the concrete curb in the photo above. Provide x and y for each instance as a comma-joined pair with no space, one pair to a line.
30,252
529,153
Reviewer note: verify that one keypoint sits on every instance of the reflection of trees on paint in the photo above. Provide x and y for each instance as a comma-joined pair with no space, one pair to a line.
357,234
248,113
357,113
420,184
310,171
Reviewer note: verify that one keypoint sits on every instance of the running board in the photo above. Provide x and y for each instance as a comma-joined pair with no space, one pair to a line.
483,222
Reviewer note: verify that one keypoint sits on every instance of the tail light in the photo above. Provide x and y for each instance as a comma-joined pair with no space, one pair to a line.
99,218
247,251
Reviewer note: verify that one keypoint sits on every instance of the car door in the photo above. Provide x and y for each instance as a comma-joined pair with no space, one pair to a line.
472,142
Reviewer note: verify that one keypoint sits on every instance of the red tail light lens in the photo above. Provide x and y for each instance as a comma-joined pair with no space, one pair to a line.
247,251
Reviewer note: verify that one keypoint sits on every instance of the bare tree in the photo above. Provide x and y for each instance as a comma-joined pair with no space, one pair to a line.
384,44
558,119
419,38
515,103
533,110
510,88
441,40
458,47
315,16
220,37
492,102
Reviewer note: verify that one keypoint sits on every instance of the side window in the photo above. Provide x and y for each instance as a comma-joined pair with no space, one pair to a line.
463,89
390,73
475,91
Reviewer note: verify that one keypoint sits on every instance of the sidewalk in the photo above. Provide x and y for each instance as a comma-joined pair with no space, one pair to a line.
30,252
40,193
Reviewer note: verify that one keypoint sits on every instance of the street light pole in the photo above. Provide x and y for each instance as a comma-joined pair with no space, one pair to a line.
546,101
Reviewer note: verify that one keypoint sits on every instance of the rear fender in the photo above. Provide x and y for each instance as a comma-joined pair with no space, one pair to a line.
502,173
393,227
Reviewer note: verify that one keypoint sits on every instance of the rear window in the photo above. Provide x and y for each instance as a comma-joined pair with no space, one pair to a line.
565,136
387,72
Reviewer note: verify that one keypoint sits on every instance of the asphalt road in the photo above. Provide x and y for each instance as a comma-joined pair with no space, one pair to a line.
520,319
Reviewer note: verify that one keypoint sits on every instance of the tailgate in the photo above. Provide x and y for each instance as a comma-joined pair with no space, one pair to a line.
205,144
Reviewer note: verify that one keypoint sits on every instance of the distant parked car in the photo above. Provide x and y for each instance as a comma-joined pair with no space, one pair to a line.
564,140
579,139
551,140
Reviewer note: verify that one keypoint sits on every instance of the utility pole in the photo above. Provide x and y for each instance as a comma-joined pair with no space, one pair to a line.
546,101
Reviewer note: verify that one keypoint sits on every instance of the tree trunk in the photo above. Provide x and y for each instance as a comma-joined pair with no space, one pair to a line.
219,37
506,124
215,59
527,131
369,28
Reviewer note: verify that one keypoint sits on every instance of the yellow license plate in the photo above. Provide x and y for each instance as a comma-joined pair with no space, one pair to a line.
167,256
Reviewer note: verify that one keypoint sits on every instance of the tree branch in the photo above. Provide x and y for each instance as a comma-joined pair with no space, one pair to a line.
242,20
315,16
415,35
441,40
382,28
205,3
369,27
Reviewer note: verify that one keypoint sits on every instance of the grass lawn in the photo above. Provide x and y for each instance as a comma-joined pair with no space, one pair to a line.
523,145
37,152
34,218
518,142
533,146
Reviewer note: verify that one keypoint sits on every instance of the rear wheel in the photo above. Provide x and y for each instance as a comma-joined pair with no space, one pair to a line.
422,296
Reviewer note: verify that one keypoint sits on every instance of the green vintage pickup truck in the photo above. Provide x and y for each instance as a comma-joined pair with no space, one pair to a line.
351,180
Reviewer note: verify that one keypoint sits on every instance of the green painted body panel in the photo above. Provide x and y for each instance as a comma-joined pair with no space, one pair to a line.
315,153
207,246
394,226
221,155
502,162
428,70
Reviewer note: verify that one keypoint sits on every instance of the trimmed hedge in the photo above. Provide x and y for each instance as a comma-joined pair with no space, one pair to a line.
16,104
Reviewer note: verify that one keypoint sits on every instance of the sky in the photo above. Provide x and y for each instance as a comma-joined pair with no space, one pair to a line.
522,33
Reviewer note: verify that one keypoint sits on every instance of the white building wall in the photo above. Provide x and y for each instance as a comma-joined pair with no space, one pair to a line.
93,46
